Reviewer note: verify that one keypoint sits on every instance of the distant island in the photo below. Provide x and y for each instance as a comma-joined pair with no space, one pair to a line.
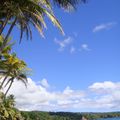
38,115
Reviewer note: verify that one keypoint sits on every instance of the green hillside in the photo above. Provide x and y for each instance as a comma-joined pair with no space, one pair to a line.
37,115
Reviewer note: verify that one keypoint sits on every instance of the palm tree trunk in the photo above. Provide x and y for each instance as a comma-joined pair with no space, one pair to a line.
7,83
9,32
3,81
4,24
12,80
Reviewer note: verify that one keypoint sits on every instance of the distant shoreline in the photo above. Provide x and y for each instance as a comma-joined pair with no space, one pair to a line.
70,115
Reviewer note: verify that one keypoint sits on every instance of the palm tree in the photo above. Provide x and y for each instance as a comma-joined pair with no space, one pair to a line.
4,53
19,76
26,12
67,4
7,109
23,13
11,67
14,68
7,48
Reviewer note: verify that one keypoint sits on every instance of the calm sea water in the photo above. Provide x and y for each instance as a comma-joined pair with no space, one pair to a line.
109,119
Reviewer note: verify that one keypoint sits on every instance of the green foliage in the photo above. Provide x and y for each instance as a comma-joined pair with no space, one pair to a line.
7,109
36,115
11,67
25,13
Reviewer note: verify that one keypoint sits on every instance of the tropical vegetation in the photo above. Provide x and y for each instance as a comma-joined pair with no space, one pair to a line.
7,109
24,15
11,68
35,115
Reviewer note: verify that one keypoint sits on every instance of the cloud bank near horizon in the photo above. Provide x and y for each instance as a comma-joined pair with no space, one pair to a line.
100,96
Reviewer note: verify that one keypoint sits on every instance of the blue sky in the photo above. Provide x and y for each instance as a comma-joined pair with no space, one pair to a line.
85,59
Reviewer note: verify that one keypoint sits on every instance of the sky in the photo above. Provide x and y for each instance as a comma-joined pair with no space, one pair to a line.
77,72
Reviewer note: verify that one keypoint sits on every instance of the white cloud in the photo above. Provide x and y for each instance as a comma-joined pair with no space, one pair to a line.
108,94
105,85
64,43
72,49
106,26
44,83
37,97
84,47
67,43
99,96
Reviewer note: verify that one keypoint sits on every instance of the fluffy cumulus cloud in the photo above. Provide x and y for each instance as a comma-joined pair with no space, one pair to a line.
98,96
108,94
38,97
104,26
106,86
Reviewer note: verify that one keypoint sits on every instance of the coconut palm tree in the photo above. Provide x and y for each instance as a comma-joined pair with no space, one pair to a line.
27,12
11,66
7,48
7,109
19,76
23,13
14,68
4,52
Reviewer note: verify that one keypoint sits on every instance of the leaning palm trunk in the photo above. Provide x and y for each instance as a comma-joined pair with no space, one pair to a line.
3,81
4,24
9,32
7,83
11,82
